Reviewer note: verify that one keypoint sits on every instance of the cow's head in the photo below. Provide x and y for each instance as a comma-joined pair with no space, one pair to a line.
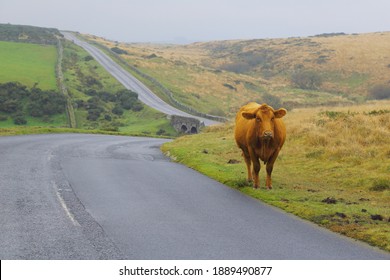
265,119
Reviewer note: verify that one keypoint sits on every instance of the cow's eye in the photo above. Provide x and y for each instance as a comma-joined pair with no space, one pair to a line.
273,118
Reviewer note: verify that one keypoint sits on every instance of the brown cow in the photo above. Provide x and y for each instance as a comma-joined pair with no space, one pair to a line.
260,134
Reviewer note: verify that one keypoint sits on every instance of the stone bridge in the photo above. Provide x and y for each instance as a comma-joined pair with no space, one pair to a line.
186,125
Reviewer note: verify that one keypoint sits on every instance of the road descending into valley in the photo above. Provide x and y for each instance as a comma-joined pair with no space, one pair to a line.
129,81
79,196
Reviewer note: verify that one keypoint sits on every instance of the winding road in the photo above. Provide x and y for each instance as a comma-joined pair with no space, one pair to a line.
145,95
79,196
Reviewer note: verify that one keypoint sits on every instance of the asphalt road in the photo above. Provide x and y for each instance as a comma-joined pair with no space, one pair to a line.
76,196
130,82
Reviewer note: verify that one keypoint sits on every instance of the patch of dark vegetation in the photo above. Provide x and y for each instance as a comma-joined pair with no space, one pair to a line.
329,200
233,161
101,101
334,34
20,101
230,87
241,183
272,100
377,112
247,61
377,217
341,215
88,58
322,59
29,34
153,55
379,92
306,79
118,50
380,186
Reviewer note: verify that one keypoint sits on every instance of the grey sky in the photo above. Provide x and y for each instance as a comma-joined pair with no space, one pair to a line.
200,20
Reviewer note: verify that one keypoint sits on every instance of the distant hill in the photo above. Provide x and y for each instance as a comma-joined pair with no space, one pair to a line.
28,34
218,77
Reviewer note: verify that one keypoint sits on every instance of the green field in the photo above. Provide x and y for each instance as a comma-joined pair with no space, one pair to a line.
29,64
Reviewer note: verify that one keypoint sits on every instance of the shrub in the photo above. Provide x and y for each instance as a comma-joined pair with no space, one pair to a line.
19,120
46,103
88,58
118,50
380,186
137,107
379,92
161,132
272,100
306,79
117,110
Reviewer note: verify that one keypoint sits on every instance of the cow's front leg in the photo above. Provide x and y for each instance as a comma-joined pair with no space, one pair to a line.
255,169
269,168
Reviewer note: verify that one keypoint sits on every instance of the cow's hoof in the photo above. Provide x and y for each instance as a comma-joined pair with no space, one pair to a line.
269,187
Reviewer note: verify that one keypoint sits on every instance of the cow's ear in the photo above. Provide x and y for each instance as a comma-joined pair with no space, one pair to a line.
248,115
280,113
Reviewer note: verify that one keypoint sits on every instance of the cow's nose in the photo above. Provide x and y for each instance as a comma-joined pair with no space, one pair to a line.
268,134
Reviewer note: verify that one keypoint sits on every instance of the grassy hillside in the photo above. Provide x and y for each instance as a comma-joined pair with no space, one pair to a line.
93,93
29,64
333,170
218,77
29,34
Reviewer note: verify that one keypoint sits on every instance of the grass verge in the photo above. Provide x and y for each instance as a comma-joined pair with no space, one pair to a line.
333,170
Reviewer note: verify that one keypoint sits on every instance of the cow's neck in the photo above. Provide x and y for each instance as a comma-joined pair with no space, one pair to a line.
264,148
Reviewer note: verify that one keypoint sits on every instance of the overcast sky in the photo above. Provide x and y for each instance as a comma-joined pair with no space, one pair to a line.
200,20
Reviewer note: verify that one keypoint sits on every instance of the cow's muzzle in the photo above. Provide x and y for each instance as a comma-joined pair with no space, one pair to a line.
268,135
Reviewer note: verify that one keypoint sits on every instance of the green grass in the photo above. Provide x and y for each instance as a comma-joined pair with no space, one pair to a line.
59,120
147,121
29,64
311,169
27,130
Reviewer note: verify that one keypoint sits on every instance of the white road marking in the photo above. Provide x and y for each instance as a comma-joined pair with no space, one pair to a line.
63,204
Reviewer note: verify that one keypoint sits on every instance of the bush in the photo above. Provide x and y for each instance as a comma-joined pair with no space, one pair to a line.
306,79
46,103
19,120
118,50
117,110
272,100
379,92
88,58
137,107
161,132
